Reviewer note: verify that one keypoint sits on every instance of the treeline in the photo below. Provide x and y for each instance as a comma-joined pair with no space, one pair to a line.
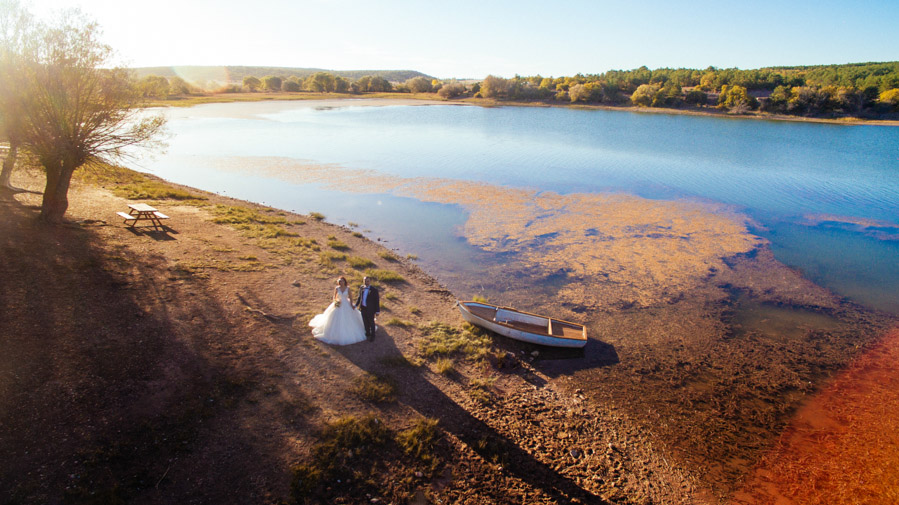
857,89
212,77
159,87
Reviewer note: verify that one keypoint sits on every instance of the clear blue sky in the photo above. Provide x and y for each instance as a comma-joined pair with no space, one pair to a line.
471,39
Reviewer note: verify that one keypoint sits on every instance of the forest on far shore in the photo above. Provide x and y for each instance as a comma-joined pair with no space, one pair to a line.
864,90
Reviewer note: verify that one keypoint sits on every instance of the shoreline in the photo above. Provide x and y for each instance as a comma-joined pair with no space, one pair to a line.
432,99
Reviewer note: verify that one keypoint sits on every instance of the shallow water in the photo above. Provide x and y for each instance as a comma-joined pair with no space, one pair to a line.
784,176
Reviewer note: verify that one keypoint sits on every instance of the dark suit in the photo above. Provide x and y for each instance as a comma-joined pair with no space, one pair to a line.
370,307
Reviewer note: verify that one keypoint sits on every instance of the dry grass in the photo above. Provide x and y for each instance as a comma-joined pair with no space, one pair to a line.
442,340
389,256
420,441
445,366
359,263
374,388
385,276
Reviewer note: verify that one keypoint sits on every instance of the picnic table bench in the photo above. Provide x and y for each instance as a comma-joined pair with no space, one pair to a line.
143,212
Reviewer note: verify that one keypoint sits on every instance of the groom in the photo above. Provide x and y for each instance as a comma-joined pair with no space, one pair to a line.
369,304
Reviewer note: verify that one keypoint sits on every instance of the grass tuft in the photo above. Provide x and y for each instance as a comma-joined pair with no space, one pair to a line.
385,276
227,214
420,441
443,340
445,366
374,388
359,263
344,445
337,245
317,216
480,390
389,256
398,322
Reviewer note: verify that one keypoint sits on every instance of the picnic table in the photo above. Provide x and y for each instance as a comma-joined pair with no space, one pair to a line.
143,212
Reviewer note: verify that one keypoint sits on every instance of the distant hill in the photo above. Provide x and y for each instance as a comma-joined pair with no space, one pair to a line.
235,74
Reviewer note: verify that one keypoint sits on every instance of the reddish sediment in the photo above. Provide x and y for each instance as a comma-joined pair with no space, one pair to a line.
842,446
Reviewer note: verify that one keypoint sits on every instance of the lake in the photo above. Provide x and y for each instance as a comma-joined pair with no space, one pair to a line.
825,196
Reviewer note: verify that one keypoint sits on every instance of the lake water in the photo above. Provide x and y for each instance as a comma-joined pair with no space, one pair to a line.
826,196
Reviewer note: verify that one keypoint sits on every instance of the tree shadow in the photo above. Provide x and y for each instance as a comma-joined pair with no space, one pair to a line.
427,399
106,393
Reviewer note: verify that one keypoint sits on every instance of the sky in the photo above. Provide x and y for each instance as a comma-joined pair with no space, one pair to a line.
471,39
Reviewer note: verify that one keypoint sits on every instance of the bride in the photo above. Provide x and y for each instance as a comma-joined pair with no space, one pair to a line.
340,323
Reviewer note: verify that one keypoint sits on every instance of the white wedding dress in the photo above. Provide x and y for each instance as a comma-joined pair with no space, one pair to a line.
339,325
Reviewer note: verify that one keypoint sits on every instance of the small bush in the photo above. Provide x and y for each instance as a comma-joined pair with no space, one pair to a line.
317,216
390,296
412,257
375,389
358,234
415,311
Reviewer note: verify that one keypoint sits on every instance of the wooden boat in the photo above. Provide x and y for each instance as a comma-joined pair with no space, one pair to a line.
524,326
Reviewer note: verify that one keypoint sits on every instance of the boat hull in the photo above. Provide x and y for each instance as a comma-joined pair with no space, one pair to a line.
506,330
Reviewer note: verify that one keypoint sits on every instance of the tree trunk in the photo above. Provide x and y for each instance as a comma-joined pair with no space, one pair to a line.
56,200
8,165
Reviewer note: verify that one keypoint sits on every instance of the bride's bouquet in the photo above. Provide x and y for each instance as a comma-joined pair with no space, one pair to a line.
336,303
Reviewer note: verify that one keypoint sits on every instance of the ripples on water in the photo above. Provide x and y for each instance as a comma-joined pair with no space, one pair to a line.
776,172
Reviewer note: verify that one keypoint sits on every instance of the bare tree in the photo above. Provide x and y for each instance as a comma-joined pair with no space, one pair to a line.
76,111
